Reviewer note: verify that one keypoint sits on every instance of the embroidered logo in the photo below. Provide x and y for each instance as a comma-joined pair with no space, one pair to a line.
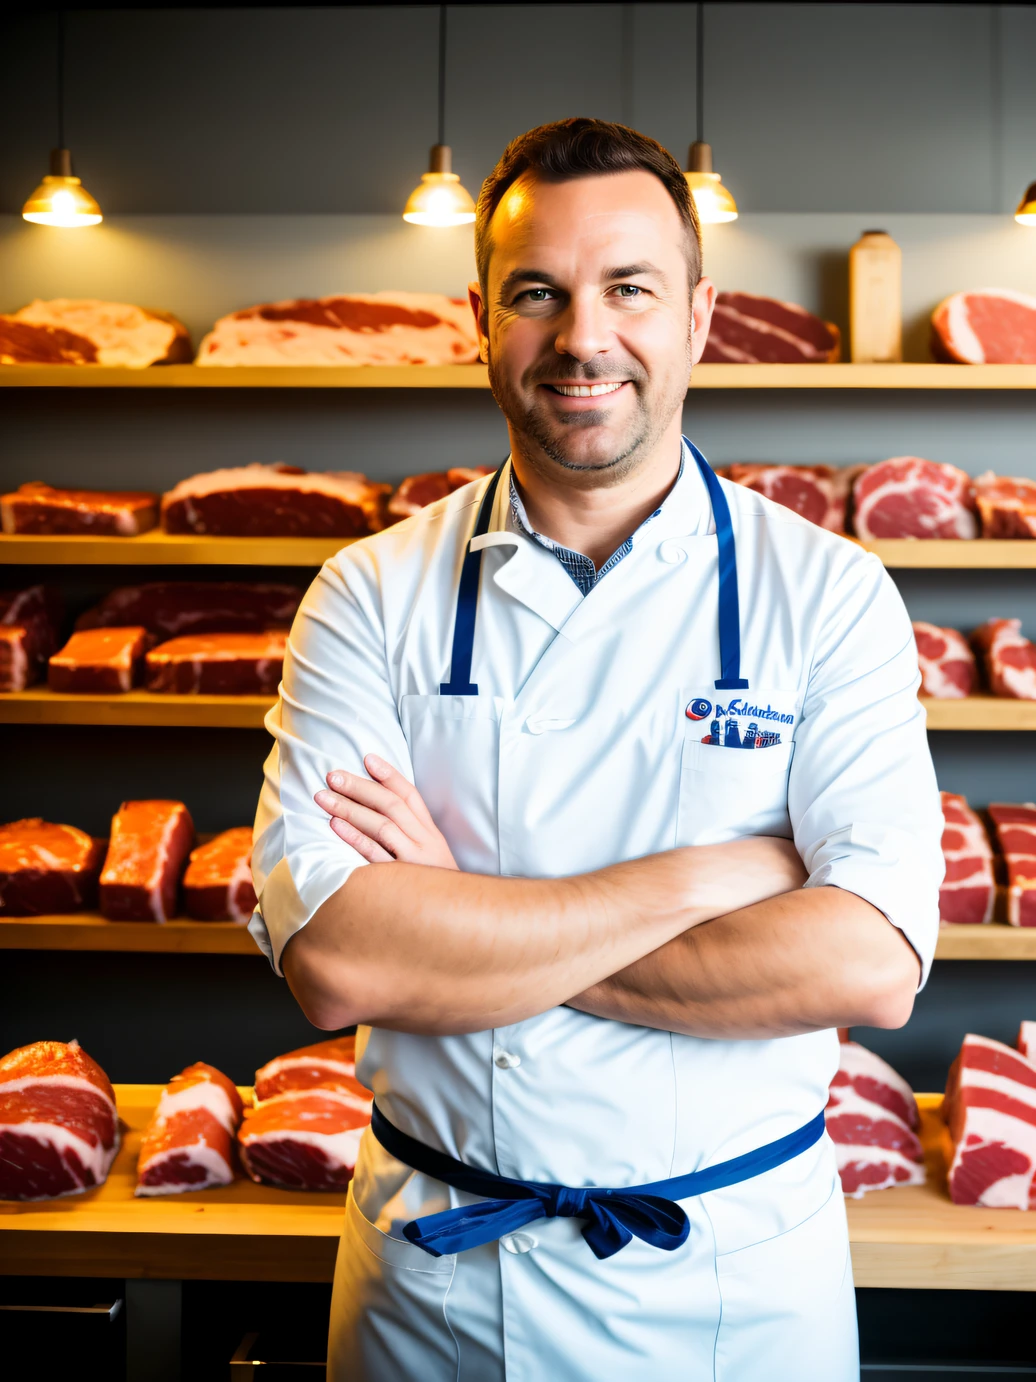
727,728
698,709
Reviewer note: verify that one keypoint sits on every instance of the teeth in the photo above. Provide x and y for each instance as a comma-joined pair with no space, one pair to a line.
586,390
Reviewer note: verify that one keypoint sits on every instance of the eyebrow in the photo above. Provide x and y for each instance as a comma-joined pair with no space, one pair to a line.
517,276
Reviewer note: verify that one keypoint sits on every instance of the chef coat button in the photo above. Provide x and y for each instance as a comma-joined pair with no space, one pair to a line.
519,1242
505,1060
672,552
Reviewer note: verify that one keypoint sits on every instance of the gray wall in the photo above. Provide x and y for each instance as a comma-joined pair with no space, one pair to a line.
241,155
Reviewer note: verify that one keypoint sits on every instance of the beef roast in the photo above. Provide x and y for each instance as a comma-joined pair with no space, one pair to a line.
218,883
1008,658
947,664
218,664
47,869
275,501
87,331
191,1142
169,609
1007,506
989,326
911,497
99,661
38,509
747,330
150,841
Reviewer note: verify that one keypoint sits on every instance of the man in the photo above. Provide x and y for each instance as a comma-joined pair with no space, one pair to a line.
595,943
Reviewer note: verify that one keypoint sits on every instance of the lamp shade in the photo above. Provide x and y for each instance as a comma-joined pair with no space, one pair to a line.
61,199
439,199
1026,213
712,201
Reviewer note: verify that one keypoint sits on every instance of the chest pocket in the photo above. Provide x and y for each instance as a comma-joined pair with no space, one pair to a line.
455,751
726,793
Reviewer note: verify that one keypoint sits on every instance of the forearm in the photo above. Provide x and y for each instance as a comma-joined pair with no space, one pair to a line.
433,950
801,962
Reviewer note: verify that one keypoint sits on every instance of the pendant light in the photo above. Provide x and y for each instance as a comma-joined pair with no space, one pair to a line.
712,201
440,200
61,199
1026,213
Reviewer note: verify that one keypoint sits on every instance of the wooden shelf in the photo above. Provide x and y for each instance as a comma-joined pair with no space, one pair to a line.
244,1232
840,376
914,1237
170,549
980,712
909,1237
89,931
41,706
945,554
994,942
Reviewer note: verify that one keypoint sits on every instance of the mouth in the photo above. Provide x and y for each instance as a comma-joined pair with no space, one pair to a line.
587,390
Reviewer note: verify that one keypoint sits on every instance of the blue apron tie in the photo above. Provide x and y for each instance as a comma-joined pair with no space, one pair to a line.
460,683
613,1217
729,609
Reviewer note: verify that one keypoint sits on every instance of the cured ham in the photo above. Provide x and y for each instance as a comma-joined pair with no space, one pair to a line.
47,869
1007,507
149,842
418,491
968,890
809,490
218,664
988,326
99,660
948,668
330,1063
191,1142
169,609
911,497
872,1119
747,329
990,1110
1008,658
305,1139
59,1130
29,623
88,331
346,329
40,509
275,501
218,883
1015,827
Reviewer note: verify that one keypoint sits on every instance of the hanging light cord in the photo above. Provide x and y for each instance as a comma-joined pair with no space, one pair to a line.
61,79
442,74
700,59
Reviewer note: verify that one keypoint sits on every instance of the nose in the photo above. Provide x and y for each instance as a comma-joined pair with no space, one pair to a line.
583,330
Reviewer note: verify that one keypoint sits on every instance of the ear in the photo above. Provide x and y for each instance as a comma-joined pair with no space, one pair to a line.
478,307
702,303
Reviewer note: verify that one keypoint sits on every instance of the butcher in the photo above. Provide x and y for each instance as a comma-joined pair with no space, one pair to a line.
600,797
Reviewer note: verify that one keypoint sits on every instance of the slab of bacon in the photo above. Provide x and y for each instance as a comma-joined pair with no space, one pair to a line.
149,842
190,1143
872,1119
1015,827
1008,658
948,668
968,890
990,1110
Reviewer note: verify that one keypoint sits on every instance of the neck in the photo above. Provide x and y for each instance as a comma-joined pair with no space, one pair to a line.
599,519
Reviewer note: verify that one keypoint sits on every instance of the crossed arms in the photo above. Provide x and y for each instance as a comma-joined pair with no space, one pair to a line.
713,941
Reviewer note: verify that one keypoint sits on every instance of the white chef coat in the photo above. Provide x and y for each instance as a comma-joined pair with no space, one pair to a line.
577,753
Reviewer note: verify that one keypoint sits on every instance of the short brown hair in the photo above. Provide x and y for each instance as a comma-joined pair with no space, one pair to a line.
580,148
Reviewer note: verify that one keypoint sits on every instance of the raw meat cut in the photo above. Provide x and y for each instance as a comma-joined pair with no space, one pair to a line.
1015,827
59,1130
747,330
1007,507
968,890
418,491
191,1142
872,1118
330,1063
218,664
990,1110
910,497
1009,659
97,660
47,869
218,883
40,509
817,492
305,1139
948,669
29,623
275,501
988,326
1027,1041
86,331
171,608
346,329
149,842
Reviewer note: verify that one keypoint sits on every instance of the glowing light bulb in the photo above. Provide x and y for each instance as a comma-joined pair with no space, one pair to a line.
713,203
439,200
1026,213
61,199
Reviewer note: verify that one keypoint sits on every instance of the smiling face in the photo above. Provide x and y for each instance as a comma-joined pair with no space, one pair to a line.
586,322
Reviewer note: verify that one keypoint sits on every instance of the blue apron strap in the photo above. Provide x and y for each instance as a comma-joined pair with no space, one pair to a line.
729,609
460,683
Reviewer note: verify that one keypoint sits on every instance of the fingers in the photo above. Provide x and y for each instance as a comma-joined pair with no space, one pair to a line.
394,780
367,849
365,791
373,824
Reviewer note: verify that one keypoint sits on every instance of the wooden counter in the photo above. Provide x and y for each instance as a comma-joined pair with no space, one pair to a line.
909,1238
41,706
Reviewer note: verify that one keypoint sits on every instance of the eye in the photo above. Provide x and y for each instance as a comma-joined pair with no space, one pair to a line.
628,290
537,295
